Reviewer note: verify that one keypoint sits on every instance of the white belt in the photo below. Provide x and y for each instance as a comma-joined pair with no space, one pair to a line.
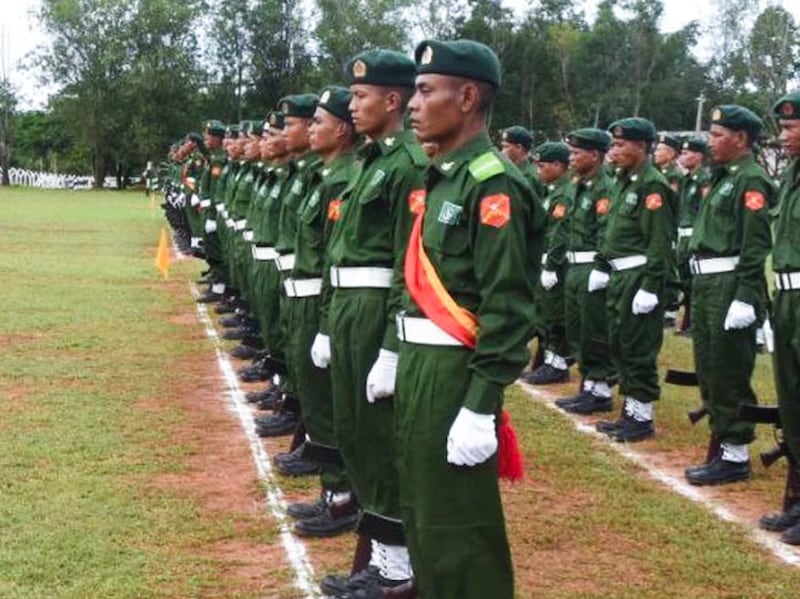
229,223
205,203
266,254
285,262
423,331
580,257
225,214
248,235
628,262
361,276
196,242
787,281
240,224
544,259
685,231
302,287
712,266
220,206
210,226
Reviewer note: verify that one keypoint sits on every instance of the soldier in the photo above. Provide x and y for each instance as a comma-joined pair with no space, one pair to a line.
516,143
729,245
634,263
214,133
552,162
464,330
585,313
786,316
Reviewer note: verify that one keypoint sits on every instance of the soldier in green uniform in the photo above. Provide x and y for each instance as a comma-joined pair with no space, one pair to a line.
515,144
694,189
190,175
585,313
214,133
729,245
634,263
465,328
786,315
552,162
365,254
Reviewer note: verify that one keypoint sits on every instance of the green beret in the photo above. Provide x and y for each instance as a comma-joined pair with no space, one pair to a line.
336,100
195,137
518,135
232,131
695,144
386,68
298,105
669,140
552,151
275,119
589,138
737,118
788,107
254,127
633,129
458,58
215,128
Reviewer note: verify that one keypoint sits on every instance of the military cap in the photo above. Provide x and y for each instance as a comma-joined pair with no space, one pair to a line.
589,138
215,128
194,137
232,131
275,119
788,107
737,118
298,105
695,144
552,151
669,140
634,129
385,68
458,58
336,100
254,127
518,135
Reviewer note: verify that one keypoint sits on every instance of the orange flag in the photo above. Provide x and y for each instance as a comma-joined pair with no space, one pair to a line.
162,254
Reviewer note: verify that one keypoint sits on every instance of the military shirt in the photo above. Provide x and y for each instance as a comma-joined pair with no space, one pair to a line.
641,223
588,215
478,214
786,253
557,204
291,198
266,230
240,204
693,190
211,173
531,174
734,221
375,217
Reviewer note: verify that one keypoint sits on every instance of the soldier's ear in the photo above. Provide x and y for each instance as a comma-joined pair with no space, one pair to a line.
469,98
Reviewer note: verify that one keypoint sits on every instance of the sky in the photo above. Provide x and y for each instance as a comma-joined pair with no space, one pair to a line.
20,34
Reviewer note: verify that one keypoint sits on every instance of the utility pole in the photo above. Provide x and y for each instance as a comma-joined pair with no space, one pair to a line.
5,110
698,124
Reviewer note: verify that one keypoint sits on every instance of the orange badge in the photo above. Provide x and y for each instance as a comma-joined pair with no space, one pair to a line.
602,206
416,201
754,200
559,210
653,201
496,210
335,210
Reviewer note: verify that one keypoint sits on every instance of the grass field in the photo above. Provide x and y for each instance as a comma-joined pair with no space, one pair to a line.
115,470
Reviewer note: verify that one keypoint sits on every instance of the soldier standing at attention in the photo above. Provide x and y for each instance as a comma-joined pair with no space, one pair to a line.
515,144
465,328
729,246
634,263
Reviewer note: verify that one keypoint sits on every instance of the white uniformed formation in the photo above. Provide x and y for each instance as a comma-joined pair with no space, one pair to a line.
27,178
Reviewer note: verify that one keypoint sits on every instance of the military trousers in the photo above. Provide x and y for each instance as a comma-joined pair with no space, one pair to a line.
453,515
266,304
213,250
786,362
585,324
313,385
550,316
634,339
724,360
365,431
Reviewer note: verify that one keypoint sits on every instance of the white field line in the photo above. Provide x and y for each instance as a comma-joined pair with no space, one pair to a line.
782,551
294,548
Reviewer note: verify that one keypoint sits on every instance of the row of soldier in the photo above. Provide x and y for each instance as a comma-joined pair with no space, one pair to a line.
389,291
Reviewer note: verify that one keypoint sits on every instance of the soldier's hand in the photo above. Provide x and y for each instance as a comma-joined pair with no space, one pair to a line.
472,438
548,279
740,315
597,280
382,375
644,302
321,351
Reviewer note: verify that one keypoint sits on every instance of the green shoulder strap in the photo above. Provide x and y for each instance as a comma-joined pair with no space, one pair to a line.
486,166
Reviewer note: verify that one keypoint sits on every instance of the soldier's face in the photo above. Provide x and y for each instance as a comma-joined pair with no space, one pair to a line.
663,154
514,152
276,143
725,145
296,133
584,161
690,160
435,107
323,133
550,171
627,153
790,136
369,108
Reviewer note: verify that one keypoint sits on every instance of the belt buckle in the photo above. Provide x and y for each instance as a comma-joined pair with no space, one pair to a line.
401,325
335,276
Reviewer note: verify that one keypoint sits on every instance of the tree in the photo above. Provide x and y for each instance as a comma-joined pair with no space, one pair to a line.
8,103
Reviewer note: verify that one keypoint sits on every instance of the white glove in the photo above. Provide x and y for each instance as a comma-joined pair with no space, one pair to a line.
597,280
321,351
769,336
548,279
210,226
195,200
644,302
381,377
740,315
472,438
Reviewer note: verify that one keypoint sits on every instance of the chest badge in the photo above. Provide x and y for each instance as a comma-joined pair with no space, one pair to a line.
450,214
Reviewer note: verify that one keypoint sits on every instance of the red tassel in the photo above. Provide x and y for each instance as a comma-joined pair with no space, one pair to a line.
509,456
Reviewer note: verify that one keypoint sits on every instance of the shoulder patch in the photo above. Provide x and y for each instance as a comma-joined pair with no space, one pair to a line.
335,210
216,171
496,210
754,200
416,201
486,166
653,201
602,206
559,211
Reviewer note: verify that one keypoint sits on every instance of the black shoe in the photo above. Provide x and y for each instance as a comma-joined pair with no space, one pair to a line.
546,374
236,334
286,457
588,403
302,511
225,307
254,373
298,467
243,352
332,522
609,426
791,535
209,298
384,589
335,584
231,322
279,426
272,400
778,522
257,396
562,402
718,472
631,430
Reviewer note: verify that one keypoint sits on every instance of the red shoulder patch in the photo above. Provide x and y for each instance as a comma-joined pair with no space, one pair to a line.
496,210
416,200
216,171
335,210
559,211
602,206
653,201
754,200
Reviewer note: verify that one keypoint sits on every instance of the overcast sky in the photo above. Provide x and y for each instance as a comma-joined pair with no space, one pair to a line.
20,34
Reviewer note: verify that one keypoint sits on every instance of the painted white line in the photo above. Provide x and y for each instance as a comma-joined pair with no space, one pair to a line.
782,551
295,549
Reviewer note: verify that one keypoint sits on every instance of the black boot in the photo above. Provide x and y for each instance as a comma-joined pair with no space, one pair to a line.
587,403
718,472
301,510
790,514
335,520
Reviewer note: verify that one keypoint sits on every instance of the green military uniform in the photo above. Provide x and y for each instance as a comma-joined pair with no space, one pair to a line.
475,233
522,137
209,181
674,177
729,245
190,175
